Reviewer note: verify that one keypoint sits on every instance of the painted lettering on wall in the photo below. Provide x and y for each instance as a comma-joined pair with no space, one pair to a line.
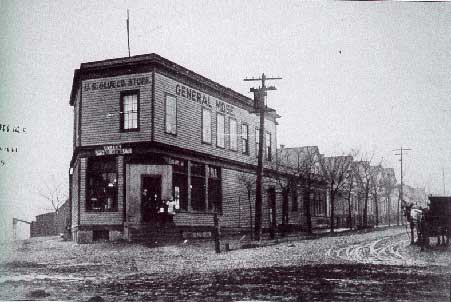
203,99
193,95
224,108
102,85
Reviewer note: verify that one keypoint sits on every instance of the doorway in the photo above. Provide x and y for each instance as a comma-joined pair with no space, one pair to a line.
150,197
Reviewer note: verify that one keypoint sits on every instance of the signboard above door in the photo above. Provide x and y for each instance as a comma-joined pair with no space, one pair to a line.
112,150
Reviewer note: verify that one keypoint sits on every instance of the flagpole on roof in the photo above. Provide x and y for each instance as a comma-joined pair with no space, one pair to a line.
128,33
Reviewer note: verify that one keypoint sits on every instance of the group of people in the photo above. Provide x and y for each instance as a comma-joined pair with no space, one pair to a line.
155,209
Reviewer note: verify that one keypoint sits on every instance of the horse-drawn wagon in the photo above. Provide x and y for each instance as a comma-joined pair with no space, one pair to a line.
432,221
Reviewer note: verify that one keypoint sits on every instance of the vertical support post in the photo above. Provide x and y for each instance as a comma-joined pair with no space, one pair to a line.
207,201
216,233
190,208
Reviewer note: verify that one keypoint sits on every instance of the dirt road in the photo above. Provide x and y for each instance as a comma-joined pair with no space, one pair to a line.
375,266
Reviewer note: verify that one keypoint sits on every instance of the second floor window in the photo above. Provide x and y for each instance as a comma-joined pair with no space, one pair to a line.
268,146
220,129
171,114
206,125
245,138
257,141
233,134
130,110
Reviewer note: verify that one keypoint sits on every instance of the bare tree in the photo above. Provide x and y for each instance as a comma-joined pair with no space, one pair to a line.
349,186
364,174
376,185
303,163
388,183
335,170
283,177
54,192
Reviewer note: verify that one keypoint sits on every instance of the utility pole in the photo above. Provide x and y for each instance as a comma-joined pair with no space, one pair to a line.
401,190
260,108
443,180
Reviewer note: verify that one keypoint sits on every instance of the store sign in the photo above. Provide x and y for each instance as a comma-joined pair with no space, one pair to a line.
102,85
203,99
112,150
193,95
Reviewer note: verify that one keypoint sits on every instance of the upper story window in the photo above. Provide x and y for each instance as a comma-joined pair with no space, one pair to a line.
268,146
257,141
101,186
170,114
130,110
245,138
206,125
233,137
220,130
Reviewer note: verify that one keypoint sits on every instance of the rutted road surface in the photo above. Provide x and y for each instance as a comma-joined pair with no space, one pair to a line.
375,266
381,251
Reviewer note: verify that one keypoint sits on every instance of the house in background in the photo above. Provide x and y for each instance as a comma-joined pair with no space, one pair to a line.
53,223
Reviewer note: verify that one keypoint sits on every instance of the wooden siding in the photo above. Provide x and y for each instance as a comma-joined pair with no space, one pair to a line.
100,114
236,210
76,121
75,196
189,124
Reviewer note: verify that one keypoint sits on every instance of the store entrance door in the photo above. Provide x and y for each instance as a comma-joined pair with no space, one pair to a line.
150,197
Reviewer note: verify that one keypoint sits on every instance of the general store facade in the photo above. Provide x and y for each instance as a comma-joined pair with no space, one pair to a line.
159,146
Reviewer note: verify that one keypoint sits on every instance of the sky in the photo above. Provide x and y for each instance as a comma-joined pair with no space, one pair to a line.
365,76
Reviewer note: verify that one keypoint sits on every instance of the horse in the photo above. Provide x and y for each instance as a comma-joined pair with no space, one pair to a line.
413,216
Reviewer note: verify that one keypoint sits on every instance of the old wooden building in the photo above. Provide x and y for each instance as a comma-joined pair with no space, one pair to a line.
158,146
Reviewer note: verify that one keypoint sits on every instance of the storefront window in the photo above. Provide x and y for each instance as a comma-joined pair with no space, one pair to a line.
197,186
101,193
214,189
180,183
